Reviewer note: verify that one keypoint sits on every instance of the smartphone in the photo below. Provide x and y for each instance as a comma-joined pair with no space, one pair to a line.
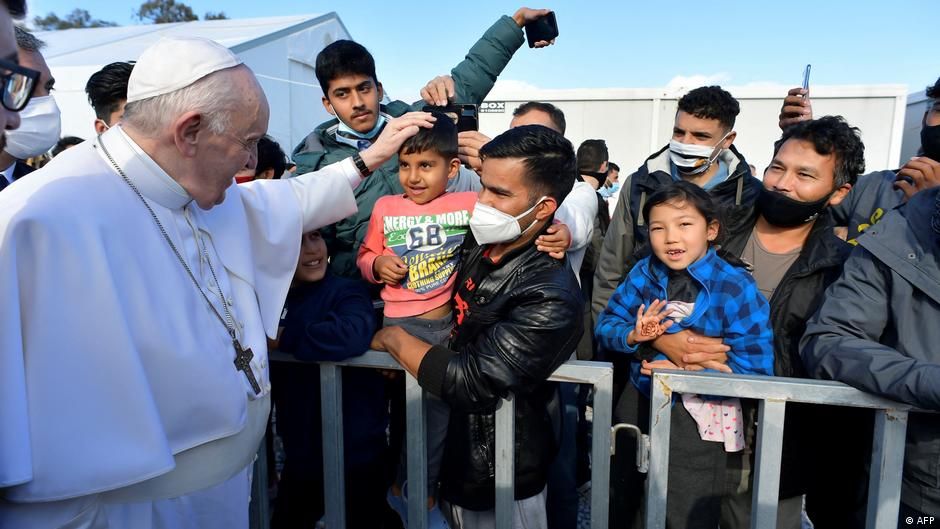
465,116
806,77
544,28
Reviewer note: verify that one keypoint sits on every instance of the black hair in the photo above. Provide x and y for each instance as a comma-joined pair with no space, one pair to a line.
64,143
686,193
343,57
591,154
17,8
611,166
107,88
548,158
831,135
440,138
711,102
26,41
933,92
555,113
270,156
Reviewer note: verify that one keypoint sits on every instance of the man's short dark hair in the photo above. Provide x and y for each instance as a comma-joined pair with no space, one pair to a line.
64,143
343,57
17,8
611,166
933,92
555,113
26,41
591,154
711,102
270,156
440,138
107,88
548,158
831,135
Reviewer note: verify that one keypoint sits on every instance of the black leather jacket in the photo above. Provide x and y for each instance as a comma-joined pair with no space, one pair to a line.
520,321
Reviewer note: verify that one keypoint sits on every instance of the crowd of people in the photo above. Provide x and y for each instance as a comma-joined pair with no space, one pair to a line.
149,271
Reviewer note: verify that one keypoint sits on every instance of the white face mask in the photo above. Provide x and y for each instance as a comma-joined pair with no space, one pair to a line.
39,130
491,226
694,159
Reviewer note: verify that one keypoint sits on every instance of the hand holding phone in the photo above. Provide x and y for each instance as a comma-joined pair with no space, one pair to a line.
541,31
465,116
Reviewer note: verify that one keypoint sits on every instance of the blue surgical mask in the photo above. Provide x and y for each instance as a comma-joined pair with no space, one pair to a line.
359,140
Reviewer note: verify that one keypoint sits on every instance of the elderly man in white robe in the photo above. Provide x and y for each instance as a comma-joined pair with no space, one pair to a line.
139,286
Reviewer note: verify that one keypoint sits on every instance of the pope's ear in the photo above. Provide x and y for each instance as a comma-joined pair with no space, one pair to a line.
186,132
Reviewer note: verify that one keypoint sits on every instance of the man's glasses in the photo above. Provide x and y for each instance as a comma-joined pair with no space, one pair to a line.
18,83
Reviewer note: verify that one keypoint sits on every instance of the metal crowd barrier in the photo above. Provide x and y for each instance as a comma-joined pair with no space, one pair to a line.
884,491
598,374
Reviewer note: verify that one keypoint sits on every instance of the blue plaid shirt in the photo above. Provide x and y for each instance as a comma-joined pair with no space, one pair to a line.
727,306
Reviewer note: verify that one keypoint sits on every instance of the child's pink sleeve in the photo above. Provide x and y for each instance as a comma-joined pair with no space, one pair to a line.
372,246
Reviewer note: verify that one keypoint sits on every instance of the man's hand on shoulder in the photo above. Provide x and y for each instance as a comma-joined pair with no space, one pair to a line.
439,91
555,242
796,108
524,15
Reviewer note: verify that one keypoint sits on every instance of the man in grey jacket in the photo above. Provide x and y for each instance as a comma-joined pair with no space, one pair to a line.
877,331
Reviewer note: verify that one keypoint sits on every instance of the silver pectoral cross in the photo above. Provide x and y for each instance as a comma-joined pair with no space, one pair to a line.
243,363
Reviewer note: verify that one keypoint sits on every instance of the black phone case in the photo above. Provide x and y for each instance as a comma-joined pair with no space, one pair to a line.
545,28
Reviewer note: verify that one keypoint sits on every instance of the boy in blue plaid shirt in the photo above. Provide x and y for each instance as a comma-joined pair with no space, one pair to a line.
685,284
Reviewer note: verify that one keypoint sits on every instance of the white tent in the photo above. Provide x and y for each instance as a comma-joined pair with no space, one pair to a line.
281,51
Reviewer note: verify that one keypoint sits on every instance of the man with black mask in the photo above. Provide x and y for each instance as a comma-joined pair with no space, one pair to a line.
877,193
795,255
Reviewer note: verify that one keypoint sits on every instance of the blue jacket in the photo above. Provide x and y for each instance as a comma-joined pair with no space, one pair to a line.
877,330
728,305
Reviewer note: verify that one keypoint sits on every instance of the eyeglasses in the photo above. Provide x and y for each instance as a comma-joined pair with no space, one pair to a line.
18,83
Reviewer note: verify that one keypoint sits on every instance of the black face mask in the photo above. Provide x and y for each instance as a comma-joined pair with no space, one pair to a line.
781,210
930,140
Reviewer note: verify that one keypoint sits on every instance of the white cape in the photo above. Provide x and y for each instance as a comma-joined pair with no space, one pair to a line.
111,363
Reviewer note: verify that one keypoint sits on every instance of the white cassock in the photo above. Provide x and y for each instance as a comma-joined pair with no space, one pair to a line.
119,399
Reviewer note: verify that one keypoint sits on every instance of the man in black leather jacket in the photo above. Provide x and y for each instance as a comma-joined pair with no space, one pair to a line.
518,317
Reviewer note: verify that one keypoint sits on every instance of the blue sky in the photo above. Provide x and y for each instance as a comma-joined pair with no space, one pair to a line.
626,43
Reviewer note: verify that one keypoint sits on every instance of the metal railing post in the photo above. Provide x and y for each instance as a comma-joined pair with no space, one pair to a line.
657,479
767,460
600,450
334,477
887,465
415,419
505,462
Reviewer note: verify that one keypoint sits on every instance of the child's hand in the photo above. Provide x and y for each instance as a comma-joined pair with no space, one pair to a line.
646,368
389,269
648,323
555,242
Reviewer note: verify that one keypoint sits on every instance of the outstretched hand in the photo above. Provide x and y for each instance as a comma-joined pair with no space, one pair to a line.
395,133
649,324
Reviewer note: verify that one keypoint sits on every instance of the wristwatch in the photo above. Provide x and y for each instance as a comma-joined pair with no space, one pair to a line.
364,170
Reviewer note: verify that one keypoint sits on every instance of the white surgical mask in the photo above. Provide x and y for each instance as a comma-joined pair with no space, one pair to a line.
359,140
694,159
39,130
491,226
